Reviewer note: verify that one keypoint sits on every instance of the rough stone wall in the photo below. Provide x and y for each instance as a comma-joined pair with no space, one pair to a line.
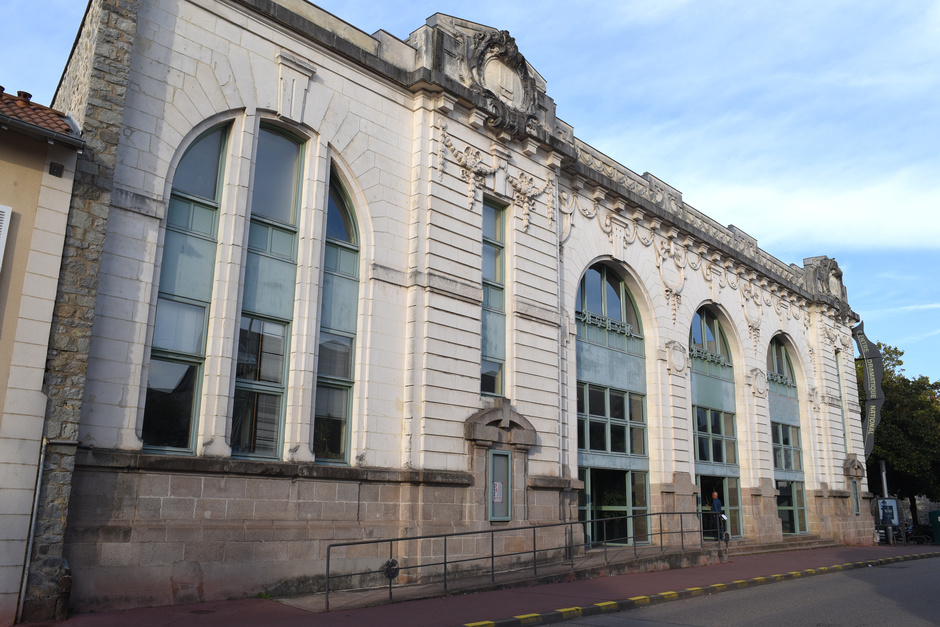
96,82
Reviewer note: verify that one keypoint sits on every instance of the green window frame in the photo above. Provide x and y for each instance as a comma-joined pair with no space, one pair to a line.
788,453
605,312
339,308
499,488
178,346
611,421
267,296
493,313
715,437
791,507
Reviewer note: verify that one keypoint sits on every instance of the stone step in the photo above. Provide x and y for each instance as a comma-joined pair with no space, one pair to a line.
745,547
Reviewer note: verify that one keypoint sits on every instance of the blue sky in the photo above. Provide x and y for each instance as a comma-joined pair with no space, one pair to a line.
813,126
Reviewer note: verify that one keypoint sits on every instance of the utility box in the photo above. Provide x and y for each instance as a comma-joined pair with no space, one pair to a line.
935,525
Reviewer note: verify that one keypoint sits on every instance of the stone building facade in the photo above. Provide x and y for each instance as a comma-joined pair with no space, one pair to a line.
356,287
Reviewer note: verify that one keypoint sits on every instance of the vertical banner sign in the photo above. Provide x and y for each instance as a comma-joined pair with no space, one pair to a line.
874,397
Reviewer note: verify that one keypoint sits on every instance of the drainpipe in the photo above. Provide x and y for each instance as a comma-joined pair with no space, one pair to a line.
32,519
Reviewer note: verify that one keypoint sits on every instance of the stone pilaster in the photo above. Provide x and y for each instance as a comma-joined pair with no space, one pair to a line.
93,91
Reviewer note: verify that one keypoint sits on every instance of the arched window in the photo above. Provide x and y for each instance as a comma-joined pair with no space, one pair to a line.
784,409
185,290
613,459
713,413
267,297
338,316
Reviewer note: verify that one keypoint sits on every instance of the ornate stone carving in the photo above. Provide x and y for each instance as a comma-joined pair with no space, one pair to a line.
676,357
499,71
758,382
471,165
525,193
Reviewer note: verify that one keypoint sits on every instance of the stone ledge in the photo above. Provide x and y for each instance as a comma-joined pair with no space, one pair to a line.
88,458
554,483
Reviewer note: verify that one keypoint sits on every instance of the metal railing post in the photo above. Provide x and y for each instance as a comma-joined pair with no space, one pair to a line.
493,556
445,565
390,579
681,533
535,555
327,601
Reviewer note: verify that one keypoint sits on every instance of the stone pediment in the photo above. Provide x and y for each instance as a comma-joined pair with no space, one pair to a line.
500,424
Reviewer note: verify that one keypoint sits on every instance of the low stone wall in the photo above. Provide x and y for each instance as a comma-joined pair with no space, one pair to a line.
160,530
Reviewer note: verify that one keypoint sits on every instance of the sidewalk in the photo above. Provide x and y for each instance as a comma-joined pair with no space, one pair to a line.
541,604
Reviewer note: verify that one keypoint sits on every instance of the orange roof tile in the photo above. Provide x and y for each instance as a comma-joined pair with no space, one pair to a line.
20,107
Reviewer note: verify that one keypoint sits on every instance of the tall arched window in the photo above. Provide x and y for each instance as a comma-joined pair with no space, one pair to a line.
713,413
179,335
613,460
783,402
267,297
338,316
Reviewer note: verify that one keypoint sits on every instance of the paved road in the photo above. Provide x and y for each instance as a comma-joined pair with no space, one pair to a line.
904,593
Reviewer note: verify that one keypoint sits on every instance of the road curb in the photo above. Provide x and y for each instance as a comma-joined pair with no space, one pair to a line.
606,607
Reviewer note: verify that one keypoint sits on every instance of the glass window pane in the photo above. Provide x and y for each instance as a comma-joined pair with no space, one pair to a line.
258,236
730,452
701,416
729,425
168,413
275,179
716,423
198,170
785,435
775,433
597,401
580,398
329,430
618,410
492,222
718,454
338,226
636,408
255,423
787,459
269,286
630,314
340,303
494,335
593,297
492,263
614,309
703,449
261,347
778,457
491,377
637,441
618,438
188,265
179,327
179,213
711,343
598,436
335,357
204,220
582,425
797,460
638,490
697,330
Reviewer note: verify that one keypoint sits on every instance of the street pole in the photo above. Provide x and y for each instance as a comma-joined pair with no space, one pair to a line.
889,532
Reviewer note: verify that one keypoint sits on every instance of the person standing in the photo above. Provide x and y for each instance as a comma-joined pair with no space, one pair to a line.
716,507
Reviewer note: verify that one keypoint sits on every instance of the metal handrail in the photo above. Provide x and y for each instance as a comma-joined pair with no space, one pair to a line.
391,569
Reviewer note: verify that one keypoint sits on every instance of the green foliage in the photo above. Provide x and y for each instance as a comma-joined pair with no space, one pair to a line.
908,438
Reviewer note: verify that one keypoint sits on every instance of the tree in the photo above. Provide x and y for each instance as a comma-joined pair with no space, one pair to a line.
908,437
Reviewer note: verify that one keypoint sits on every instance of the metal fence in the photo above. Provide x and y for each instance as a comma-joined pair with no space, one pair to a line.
445,557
